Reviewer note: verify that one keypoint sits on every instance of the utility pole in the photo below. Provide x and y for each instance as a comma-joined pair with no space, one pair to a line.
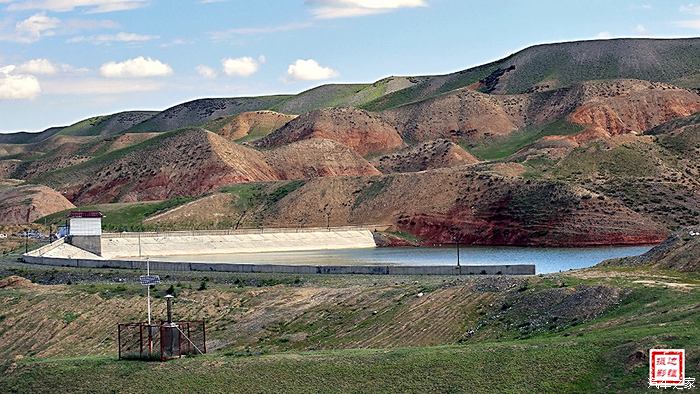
26,241
148,290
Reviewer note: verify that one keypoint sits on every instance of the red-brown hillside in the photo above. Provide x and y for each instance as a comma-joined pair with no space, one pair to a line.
631,106
317,158
364,132
249,125
188,162
476,208
463,114
27,203
428,155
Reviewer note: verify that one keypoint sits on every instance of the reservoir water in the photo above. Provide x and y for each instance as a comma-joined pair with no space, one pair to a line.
546,260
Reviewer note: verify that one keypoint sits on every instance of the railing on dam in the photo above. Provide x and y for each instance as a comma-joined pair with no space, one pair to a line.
170,266
261,230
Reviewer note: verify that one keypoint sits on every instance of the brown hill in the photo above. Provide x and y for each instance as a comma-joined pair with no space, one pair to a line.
631,106
463,114
27,203
364,132
187,162
248,126
681,252
317,158
428,155
64,151
439,206
559,65
603,108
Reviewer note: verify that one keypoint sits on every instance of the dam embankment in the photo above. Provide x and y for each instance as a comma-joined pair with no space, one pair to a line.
129,250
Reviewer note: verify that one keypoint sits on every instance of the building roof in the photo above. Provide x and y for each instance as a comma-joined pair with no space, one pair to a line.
85,214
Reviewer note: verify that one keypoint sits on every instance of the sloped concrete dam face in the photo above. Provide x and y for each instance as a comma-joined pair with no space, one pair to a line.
144,245
129,250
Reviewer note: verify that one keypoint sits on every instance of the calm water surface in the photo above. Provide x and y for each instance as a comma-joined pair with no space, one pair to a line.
546,260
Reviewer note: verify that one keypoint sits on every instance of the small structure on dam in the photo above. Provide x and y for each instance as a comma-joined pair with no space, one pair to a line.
85,230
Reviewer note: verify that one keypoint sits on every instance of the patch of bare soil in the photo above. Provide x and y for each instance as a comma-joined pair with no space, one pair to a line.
364,132
26,203
630,107
205,212
425,156
318,158
249,125
553,309
463,114
15,282
680,252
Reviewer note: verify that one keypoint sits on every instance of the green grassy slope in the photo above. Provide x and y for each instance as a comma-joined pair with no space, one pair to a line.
564,353
107,124
500,148
121,216
198,112
563,64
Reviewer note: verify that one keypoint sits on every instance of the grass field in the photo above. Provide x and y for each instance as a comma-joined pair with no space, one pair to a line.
501,148
122,216
287,333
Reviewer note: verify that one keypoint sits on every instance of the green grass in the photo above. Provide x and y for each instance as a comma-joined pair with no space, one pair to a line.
592,356
501,148
484,368
70,317
372,190
122,217
406,236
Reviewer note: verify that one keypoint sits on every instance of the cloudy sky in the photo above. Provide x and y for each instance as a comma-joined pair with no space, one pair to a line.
64,60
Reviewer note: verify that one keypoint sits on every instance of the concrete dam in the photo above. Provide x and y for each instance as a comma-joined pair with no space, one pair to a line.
130,250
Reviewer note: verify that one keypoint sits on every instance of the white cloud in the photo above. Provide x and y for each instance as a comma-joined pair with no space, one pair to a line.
641,29
17,86
108,38
331,9
136,68
242,66
35,27
690,9
688,24
603,35
309,70
206,72
244,31
90,6
38,67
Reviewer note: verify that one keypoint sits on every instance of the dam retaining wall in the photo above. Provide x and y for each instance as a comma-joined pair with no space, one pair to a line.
128,250
520,269
126,245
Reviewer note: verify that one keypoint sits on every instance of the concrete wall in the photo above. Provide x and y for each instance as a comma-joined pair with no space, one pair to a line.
194,243
522,269
91,243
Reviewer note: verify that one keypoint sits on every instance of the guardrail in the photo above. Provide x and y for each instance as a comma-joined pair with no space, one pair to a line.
262,230
516,269
47,247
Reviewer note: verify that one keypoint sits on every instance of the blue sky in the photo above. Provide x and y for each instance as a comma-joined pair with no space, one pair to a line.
65,60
